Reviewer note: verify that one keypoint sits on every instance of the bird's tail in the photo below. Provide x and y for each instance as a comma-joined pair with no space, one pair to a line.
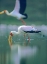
26,16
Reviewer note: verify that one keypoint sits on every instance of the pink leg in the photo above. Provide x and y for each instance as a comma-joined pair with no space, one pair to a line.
23,21
28,38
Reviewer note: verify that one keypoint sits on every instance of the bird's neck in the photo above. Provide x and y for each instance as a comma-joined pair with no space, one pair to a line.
7,13
17,32
14,32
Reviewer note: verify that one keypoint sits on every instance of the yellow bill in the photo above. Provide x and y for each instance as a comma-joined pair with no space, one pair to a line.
10,40
2,12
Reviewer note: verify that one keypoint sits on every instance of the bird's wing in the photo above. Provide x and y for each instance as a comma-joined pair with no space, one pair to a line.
17,6
20,6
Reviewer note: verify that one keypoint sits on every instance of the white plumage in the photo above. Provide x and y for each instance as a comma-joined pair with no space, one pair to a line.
23,28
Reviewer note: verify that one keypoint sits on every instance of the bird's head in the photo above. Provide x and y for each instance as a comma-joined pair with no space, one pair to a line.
5,11
11,34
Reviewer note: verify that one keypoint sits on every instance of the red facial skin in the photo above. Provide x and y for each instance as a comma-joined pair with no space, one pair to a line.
11,34
4,11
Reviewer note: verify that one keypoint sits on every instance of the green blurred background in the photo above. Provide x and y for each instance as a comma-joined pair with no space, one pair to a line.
37,15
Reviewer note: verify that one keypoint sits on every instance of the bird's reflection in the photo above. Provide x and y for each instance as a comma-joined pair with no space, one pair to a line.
19,52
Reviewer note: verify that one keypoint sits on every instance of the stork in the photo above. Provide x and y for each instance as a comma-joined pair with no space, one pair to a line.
22,29
18,12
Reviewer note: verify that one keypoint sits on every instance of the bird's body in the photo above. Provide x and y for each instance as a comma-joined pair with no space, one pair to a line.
15,14
18,11
25,29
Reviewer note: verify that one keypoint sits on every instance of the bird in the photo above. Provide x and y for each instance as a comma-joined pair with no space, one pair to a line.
18,12
23,29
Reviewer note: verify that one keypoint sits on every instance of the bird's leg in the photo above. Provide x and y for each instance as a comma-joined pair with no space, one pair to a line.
24,38
24,35
23,21
28,38
10,40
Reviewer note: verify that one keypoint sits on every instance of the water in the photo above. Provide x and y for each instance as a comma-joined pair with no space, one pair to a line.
22,51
